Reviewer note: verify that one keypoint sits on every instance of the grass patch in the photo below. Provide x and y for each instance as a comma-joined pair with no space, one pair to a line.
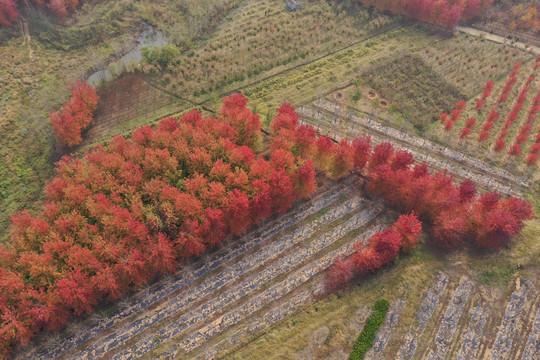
497,274
318,214
367,336
415,90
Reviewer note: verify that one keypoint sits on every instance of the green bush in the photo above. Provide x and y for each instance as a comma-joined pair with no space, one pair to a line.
357,96
162,56
367,336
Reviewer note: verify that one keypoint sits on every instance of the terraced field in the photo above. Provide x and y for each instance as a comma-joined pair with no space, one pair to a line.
333,119
457,321
245,280
454,317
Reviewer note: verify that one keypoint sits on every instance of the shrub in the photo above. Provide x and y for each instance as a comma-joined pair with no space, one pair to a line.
367,336
162,56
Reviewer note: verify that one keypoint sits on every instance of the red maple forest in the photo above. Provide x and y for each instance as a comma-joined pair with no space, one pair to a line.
133,209
10,9
441,12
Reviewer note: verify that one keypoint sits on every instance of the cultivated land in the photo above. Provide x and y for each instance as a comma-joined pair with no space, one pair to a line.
348,72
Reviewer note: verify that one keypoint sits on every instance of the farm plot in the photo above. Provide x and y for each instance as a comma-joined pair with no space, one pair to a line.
126,103
411,341
456,324
332,119
414,89
262,39
334,71
454,318
420,84
262,267
503,128
467,62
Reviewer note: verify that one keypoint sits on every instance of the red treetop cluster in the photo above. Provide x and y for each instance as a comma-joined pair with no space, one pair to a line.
442,12
488,89
133,209
453,212
449,209
512,79
8,12
9,8
534,151
454,116
77,113
382,249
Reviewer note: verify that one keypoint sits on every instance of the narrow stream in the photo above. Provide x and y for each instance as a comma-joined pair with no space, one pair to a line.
150,37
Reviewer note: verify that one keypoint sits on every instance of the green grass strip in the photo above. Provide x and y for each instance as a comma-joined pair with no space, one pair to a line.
367,336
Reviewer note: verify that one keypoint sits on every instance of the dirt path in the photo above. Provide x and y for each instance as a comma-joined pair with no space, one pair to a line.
498,39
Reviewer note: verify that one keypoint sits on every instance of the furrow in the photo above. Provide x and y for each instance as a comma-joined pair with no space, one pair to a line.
383,336
276,313
178,303
450,320
255,303
471,342
184,278
259,323
532,348
408,348
526,324
509,325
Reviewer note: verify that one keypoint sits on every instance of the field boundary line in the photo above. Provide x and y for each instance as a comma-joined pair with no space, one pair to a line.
295,67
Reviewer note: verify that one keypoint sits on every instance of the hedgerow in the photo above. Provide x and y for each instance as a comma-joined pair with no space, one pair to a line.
367,336
76,114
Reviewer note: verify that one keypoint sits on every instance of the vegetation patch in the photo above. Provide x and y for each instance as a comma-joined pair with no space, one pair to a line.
497,274
467,62
367,336
416,90
259,41
501,122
